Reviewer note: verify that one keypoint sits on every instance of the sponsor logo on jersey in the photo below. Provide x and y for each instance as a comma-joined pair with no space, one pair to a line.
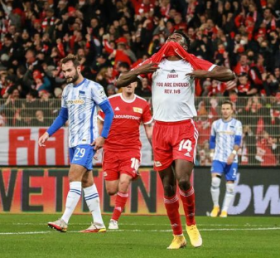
75,101
172,71
126,117
138,110
187,154
117,109
226,132
105,174
84,140
157,164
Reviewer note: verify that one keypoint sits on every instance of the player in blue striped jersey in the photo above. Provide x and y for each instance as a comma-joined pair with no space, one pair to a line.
80,99
225,141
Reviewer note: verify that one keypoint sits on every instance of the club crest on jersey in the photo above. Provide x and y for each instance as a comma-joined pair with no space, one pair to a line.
138,110
82,93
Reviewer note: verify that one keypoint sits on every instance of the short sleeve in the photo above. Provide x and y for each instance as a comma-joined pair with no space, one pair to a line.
203,64
213,132
97,93
239,128
147,116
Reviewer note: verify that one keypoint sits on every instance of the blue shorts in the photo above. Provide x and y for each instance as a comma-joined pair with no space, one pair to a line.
82,155
222,167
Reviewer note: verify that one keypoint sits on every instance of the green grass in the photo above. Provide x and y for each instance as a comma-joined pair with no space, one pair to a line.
139,236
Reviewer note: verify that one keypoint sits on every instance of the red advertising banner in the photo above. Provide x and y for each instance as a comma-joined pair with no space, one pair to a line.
19,147
45,190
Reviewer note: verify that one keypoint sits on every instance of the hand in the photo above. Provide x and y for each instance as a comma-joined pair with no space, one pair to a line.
230,159
199,74
96,154
98,143
147,68
42,139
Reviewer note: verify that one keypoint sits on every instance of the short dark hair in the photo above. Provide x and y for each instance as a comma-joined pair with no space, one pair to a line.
227,102
182,33
71,57
124,65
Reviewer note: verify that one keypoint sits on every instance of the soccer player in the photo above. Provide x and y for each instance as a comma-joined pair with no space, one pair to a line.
121,157
225,141
78,106
174,139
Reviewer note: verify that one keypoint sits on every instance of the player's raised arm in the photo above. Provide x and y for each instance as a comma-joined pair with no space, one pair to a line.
126,78
219,73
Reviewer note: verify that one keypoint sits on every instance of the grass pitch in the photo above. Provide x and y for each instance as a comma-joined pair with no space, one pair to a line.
139,236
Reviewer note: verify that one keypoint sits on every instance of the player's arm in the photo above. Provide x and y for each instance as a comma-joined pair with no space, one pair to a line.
237,143
131,76
106,108
57,124
212,141
149,131
206,69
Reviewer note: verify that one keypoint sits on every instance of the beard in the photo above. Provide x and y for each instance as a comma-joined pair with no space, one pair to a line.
73,79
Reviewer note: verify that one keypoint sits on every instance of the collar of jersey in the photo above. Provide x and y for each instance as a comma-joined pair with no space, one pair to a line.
227,121
127,101
79,83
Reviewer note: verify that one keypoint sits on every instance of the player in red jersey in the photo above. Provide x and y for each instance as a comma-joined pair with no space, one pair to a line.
122,156
174,71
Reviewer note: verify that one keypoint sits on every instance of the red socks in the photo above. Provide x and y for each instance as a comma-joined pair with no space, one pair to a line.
172,208
188,199
120,202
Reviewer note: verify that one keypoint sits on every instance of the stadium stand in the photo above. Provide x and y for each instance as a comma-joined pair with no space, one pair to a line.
112,35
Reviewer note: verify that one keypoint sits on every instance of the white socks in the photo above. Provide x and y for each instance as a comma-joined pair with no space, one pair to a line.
228,197
92,199
72,199
215,190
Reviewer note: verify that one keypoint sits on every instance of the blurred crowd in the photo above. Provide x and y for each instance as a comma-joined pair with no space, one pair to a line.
112,36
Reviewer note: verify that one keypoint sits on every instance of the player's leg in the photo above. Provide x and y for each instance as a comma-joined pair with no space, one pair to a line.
93,202
184,148
183,170
81,161
121,199
75,177
171,202
230,174
162,133
216,171
128,164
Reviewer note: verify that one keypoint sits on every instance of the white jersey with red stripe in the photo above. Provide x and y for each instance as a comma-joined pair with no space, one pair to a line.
173,91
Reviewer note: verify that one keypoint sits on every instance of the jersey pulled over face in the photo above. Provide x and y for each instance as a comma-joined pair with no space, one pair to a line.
81,101
124,132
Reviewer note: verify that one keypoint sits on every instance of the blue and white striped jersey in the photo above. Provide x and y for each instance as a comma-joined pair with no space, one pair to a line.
226,134
81,101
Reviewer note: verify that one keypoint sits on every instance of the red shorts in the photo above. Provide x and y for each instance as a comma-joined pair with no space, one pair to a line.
173,140
118,162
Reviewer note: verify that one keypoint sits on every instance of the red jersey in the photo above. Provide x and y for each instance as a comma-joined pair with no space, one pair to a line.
124,132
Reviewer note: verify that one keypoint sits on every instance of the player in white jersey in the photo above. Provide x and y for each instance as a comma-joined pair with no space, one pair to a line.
78,105
225,141
174,137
